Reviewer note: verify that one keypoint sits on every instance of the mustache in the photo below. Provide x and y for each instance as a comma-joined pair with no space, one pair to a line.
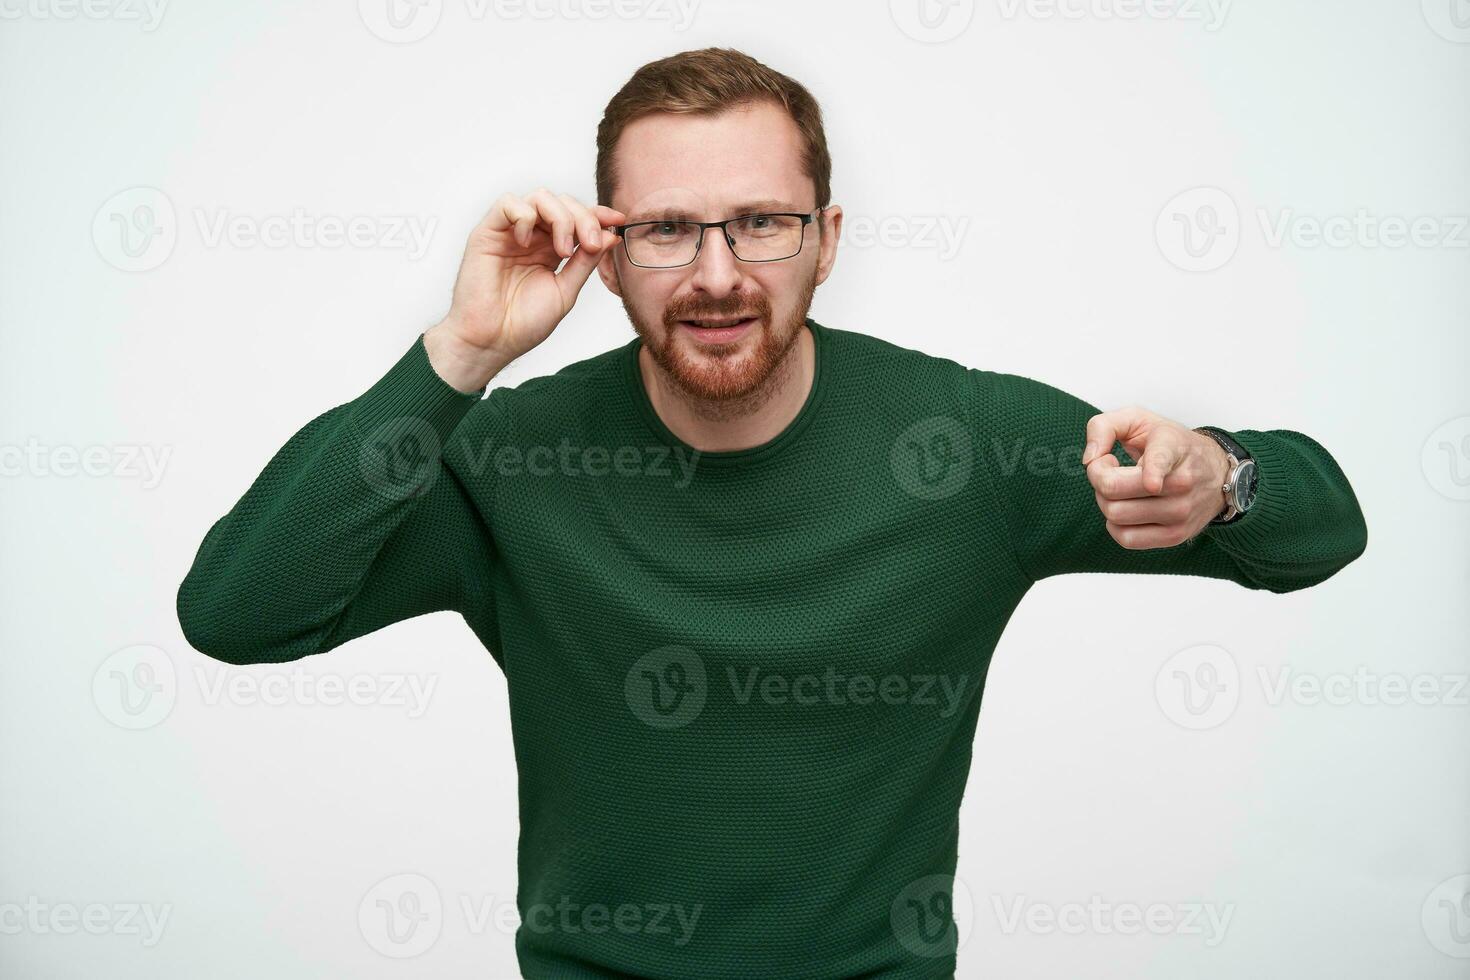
740,306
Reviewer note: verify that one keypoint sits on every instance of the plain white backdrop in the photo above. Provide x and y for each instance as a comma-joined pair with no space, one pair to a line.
219,220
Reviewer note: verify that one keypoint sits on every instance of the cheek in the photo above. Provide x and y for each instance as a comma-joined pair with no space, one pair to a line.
649,294
777,282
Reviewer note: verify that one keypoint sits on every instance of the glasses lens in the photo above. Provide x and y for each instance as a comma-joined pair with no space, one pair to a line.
763,237
663,243
758,238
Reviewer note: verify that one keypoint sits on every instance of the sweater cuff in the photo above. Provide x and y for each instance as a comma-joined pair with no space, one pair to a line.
411,396
1252,533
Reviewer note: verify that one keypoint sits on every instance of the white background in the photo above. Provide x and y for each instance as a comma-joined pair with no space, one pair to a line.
1050,143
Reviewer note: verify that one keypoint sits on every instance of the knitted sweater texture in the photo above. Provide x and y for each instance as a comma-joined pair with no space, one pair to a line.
743,685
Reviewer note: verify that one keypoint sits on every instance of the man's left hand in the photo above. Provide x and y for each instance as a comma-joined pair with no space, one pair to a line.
1173,492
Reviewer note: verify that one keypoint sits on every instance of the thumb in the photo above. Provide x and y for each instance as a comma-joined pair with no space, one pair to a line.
574,272
1102,432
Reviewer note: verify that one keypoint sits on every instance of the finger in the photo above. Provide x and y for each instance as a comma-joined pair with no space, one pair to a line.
1115,481
526,227
556,218
1102,432
511,211
575,270
1160,457
1106,428
1166,511
1099,469
1143,536
589,229
608,217
1099,466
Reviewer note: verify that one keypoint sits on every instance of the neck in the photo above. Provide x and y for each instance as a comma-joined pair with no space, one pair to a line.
738,423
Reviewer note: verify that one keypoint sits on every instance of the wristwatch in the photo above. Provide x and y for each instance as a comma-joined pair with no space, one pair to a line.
1240,482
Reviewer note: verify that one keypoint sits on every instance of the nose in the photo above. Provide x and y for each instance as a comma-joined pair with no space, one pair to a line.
716,269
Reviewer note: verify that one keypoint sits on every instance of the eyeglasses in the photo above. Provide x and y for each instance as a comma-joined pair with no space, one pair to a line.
767,237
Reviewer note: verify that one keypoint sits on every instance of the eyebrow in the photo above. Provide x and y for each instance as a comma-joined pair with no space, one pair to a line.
679,214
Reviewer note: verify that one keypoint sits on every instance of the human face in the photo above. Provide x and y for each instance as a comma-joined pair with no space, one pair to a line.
707,168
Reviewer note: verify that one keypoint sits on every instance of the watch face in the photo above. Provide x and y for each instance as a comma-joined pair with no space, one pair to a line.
1245,485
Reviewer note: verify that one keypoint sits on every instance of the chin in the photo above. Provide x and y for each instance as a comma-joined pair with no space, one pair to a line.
718,374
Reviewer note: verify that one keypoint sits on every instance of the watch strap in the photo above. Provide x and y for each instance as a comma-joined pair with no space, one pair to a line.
1240,454
1226,441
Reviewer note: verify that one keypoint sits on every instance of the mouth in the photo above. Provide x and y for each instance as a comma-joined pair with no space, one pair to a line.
718,330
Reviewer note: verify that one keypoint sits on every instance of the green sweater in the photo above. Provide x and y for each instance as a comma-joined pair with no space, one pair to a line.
743,685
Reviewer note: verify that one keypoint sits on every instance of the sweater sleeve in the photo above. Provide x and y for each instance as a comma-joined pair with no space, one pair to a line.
1304,526
355,523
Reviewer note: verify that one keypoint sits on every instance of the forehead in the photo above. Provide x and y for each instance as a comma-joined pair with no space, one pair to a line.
705,164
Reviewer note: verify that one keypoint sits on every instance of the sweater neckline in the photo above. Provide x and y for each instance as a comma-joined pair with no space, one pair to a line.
761,452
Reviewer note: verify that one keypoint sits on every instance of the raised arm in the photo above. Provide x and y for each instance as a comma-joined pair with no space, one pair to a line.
355,523
358,521
1304,526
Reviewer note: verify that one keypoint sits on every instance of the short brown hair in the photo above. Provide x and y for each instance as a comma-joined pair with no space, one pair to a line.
712,80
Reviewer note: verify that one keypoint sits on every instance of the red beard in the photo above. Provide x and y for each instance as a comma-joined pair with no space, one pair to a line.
729,372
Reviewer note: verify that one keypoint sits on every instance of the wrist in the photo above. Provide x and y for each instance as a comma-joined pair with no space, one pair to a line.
1219,469
1238,484
460,365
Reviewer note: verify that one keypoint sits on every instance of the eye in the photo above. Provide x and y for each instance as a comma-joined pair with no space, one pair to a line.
762,225
667,230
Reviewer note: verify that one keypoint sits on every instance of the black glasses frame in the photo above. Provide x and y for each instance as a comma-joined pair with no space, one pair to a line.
806,219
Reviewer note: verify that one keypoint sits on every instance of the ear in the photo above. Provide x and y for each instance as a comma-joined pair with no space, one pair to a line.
831,219
607,270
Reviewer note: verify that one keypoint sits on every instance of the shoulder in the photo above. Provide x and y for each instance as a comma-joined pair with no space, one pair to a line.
1015,401
903,379
590,377
549,404
892,377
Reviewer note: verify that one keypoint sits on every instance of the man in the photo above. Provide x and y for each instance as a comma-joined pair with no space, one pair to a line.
744,573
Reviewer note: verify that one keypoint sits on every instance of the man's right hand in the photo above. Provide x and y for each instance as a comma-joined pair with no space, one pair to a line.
509,296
